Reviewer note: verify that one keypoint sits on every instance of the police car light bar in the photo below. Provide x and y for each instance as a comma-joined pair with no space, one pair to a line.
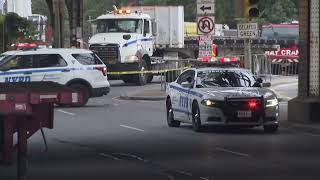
26,46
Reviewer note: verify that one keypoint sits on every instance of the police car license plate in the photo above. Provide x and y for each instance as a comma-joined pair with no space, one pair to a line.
244,114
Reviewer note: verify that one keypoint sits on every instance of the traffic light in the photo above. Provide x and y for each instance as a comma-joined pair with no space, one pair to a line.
250,8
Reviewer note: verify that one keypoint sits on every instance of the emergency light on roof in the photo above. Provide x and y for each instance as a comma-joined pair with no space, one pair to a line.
26,46
123,11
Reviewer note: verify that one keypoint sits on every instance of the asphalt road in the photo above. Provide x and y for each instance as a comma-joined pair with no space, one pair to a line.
115,139
287,90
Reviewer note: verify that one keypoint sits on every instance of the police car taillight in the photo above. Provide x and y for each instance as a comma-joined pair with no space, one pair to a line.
103,70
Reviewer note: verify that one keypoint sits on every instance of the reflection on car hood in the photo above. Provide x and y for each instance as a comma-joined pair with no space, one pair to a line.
221,92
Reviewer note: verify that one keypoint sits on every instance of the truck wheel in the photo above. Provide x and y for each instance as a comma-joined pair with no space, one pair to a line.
142,78
150,78
127,78
85,94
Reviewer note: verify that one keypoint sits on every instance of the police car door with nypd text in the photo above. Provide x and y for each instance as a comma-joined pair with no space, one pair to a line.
77,68
221,96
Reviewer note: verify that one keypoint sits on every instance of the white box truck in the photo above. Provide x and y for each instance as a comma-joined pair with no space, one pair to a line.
128,39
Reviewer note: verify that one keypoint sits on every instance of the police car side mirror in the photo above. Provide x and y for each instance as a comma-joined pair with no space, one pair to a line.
5,68
126,36
266,84
187,85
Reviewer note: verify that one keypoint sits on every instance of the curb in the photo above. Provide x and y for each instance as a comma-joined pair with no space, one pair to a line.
142,98
302,127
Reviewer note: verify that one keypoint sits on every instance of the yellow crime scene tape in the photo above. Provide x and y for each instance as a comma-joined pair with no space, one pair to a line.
147,72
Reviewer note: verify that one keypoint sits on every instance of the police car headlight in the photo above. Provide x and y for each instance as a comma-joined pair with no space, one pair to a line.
131,59
208,102
272,102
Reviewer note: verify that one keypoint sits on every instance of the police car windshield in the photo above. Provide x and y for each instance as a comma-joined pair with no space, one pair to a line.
3,57
224,78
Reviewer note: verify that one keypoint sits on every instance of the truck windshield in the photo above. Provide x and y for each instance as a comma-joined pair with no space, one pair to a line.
119,26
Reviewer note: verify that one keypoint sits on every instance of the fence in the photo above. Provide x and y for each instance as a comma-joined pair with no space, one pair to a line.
264,65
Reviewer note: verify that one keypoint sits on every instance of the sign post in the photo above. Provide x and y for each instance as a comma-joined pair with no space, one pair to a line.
247,32
205,28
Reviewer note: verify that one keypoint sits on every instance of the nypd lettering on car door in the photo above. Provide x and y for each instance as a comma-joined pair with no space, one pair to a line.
18,79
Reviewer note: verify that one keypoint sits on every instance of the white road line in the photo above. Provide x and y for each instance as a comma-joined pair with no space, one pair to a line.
65,112
232,152
109,156
286,85
133,128
204,178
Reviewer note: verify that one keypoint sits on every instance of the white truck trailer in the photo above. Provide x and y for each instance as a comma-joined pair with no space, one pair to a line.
128,39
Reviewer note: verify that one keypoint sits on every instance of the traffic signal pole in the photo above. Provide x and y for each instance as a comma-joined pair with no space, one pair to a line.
249,10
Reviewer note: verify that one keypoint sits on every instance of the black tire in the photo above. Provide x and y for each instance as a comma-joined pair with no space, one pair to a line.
196,118
127,78
85,94
150,78
270,128
141,79
170,116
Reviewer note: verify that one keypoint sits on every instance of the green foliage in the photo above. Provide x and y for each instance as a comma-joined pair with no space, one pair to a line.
40,7
18,29
279,11
272,11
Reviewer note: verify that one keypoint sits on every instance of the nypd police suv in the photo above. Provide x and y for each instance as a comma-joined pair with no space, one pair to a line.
221,96
77,68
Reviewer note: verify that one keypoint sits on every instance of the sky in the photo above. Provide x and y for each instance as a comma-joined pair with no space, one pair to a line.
1,4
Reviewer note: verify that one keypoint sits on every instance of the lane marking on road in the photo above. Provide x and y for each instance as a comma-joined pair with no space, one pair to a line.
184,173
66,112
232,152
286,85
204,178
133,128
109,156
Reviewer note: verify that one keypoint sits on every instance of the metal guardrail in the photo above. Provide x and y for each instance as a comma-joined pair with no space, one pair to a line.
263,66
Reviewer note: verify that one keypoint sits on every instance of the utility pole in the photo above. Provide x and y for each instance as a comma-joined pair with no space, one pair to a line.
58,13
247,9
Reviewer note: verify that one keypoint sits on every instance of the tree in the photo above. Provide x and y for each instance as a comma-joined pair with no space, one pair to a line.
40,7
280,11
18,29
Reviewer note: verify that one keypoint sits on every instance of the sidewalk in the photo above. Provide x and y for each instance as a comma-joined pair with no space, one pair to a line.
310,128
280,80
146,95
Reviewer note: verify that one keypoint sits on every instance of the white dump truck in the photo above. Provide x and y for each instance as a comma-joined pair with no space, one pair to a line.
128,39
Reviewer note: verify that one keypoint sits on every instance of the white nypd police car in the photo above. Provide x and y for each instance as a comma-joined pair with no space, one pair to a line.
77,68
221,96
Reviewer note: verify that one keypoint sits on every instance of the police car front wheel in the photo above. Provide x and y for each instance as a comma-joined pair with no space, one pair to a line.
170,116
196,119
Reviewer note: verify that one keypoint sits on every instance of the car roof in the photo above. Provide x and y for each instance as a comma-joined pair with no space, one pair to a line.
220,68
48,51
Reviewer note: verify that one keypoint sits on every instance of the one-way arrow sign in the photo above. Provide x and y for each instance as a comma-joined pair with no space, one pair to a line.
205,7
